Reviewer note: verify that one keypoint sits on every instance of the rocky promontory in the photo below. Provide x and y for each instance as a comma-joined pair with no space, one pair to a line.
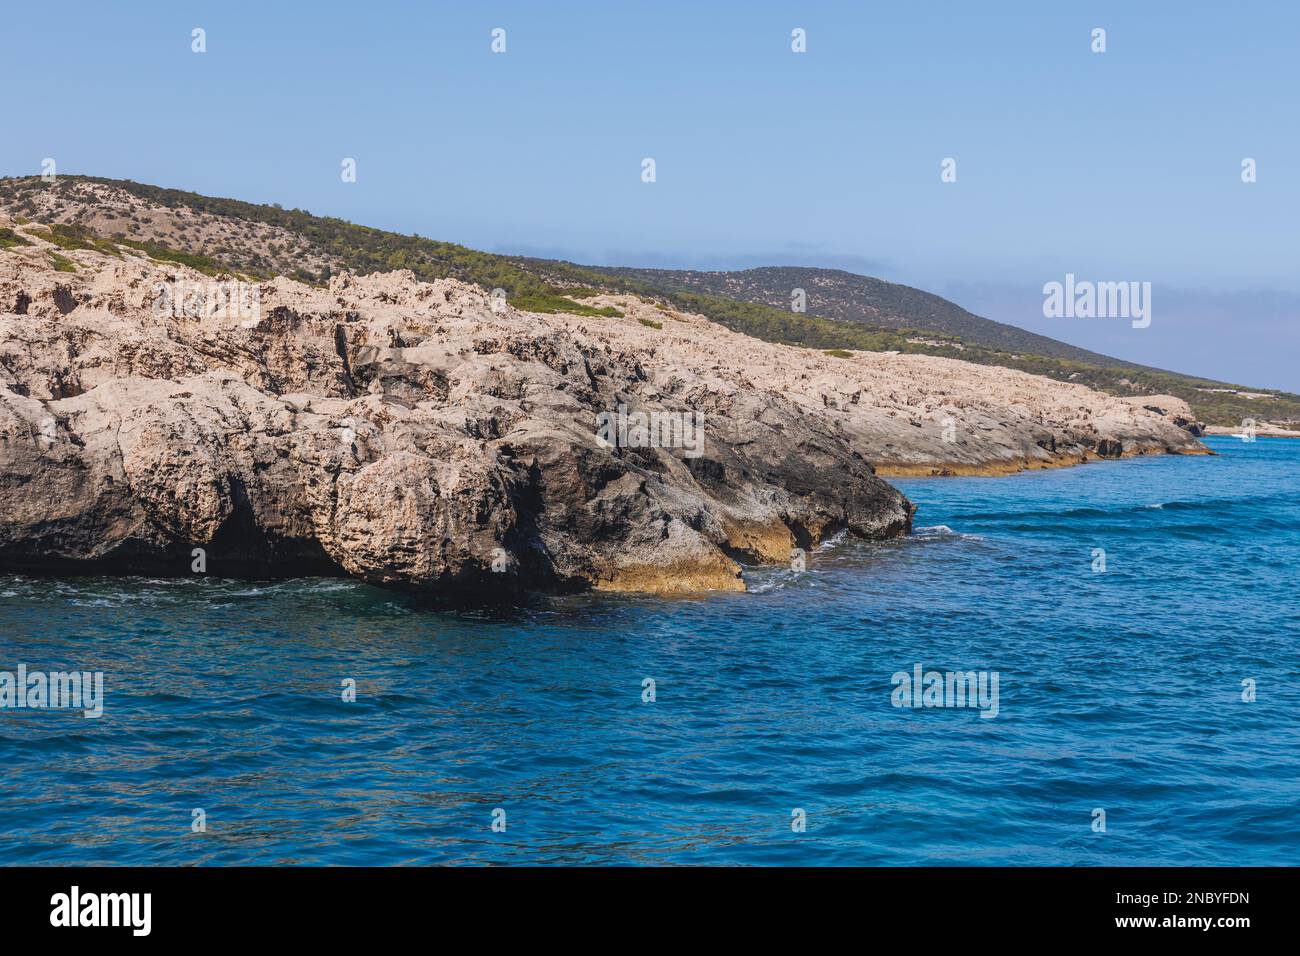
429,436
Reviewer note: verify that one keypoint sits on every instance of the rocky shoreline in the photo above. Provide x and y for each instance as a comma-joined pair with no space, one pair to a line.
429,437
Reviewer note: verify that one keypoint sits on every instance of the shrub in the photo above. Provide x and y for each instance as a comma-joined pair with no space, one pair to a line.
550,302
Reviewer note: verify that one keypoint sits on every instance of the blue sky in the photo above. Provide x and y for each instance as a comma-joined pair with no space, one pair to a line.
1116,166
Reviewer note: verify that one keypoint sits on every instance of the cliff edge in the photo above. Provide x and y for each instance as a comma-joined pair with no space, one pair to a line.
429,436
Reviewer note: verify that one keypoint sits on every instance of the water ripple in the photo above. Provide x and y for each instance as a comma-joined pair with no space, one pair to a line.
1119,690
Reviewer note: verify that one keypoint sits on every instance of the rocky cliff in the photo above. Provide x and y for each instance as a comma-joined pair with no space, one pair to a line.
428,436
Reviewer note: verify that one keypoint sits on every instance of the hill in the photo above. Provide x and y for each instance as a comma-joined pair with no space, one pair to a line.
426,436
848,297
856,313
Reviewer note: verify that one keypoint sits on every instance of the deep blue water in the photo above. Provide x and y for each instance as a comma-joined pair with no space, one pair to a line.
1119,690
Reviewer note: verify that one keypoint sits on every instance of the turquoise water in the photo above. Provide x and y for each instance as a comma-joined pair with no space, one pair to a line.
1119,691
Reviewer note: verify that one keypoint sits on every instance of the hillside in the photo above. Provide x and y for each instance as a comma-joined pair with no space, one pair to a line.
426,436
848,297
410,435
216,235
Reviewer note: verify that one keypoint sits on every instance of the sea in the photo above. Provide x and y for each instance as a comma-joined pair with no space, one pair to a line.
1127,634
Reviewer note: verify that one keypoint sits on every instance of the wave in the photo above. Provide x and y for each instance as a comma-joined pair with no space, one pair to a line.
943,532
834,540
767,580
1217,505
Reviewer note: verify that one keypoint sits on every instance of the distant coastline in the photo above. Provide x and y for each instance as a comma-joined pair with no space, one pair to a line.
1261,431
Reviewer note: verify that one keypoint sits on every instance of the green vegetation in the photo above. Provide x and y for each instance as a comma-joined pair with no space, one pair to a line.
77,237
307,278
553,302
839,353
651,323
359,248
776,325
62,264
159,253
9,239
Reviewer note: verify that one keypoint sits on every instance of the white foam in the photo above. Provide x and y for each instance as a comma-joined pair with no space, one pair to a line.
942,531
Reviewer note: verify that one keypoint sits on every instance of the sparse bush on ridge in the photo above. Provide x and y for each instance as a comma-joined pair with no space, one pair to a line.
77,237
549,302
204,264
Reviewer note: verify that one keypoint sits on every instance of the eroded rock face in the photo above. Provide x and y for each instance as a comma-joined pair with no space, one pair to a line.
412,435
401,432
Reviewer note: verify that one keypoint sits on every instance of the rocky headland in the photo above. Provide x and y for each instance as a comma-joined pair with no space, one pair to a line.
429,436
